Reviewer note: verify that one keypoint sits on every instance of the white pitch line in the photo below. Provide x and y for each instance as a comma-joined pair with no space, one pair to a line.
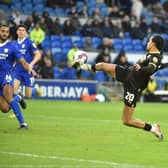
83,119
109,163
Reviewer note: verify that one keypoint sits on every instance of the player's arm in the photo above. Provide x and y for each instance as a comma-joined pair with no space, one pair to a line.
37,57
162,66
25,65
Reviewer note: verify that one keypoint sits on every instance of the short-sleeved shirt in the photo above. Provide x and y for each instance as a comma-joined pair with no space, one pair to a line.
27,49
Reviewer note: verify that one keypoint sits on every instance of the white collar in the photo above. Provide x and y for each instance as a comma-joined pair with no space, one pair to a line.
21,41
2,44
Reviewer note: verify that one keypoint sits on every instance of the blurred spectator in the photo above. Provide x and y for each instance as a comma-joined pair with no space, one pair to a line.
114,12
121,59
56,27
15,18
3,16
84,12
87,28
43,25
75,22
143,26
35,16
29,23
137,32
72,10
103,56
48,21
155,26
126,24
13,29
96,14
53,4
107,43
37,35
47,66
88,44
107,28
118,30
71,53
68,28
136,9
96,28
68,3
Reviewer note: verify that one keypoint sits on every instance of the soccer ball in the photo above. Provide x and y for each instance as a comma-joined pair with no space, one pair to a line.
81,56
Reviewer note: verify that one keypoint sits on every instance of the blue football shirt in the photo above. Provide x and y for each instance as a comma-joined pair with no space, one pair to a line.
9,53
27,49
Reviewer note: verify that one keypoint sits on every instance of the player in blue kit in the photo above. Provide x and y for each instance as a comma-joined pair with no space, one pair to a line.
32,55
8,55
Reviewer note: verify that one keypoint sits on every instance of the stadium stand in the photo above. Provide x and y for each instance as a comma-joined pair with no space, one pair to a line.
46,12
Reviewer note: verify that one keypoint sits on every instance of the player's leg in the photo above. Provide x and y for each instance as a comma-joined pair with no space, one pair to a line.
18,96
129,120
4,106
8,95
31,89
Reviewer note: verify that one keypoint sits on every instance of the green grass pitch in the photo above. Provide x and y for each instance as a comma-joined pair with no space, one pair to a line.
69,134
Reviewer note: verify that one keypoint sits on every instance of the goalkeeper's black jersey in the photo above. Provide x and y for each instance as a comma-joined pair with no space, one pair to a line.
149,65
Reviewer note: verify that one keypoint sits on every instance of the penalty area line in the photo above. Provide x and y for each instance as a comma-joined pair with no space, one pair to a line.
98,162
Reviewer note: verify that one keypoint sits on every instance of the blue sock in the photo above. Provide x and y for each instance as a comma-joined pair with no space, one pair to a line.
34,92
16,109
17,98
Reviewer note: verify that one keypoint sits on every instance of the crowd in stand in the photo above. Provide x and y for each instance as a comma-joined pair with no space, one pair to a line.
138,18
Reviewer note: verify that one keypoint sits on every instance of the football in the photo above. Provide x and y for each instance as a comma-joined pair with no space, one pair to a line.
81,56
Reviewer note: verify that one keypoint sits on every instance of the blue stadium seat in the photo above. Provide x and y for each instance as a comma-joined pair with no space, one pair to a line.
136,42
60,12
75,38
79,5
85,74
58,57
118,47
96,41
4,7
128,47
56,44
138,47
55,38
67,44
66,38
117,41
79,44
57,72
56,50
100,76
127,41
69,73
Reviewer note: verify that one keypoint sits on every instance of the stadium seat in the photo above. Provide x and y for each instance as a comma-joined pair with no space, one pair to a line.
138,47
56,44
100,76
57,72
118,47
85,74
75,38
60,12
117,41
56,50
55,38
128,47
66,38
58,57
96,42
136,42
79,5
127,41
67,44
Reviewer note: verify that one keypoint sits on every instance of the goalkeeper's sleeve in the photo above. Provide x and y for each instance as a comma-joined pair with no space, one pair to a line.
162,66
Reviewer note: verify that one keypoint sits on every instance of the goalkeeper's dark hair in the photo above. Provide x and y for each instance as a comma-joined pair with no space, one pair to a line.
159,42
